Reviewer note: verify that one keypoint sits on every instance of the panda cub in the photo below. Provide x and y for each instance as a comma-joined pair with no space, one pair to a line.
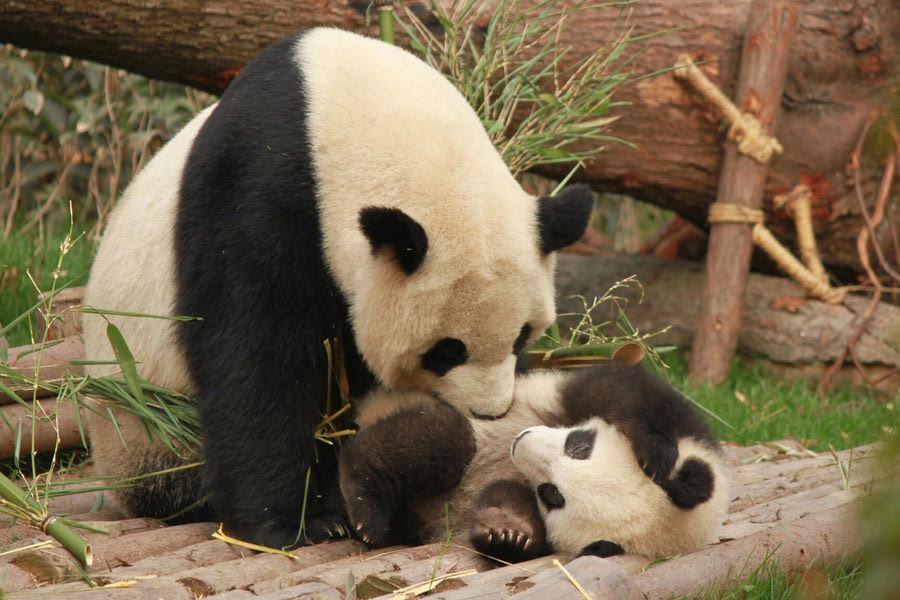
612,460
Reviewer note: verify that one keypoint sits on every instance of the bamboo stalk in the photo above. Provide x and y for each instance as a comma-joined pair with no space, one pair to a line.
26,506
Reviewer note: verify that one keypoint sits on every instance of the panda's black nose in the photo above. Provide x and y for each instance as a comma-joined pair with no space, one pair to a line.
516,441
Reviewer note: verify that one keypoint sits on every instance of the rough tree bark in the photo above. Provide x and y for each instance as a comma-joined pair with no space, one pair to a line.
764,61
844,61
779,323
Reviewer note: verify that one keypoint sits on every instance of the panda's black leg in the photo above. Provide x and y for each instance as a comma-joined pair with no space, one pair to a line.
410,454
507,524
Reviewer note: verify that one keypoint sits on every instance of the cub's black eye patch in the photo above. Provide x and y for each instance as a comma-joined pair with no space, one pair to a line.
550,496
580,444
444,355
520,342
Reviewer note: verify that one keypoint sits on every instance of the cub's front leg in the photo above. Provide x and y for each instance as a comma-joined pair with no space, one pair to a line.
412,453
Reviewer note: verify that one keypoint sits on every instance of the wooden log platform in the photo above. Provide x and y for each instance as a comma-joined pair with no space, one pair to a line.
789,505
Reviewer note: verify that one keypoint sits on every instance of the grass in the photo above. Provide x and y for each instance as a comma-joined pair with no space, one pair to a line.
28,265
841,580
760,406
508,60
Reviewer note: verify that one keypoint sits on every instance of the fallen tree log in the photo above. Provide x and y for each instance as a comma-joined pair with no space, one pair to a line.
844,61
50,363
789,503
780,323
39,427
819,538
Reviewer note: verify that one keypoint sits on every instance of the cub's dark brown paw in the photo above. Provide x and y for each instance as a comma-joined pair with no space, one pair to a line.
504,535
369,521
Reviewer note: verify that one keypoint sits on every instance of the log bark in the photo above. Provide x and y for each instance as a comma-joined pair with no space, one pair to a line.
819,538
52,363
787,500
844,60
779,322
40,427
763,65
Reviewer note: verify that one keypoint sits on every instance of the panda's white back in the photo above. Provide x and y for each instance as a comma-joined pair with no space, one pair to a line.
135,256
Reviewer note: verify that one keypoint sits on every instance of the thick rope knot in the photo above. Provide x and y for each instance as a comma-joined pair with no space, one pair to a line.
751,140
745,130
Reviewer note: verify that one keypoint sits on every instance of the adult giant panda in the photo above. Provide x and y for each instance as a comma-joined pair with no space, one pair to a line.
340,188
611,460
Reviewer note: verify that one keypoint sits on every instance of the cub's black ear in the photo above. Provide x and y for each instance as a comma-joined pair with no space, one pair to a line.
692,485
563,218
602,548
393,230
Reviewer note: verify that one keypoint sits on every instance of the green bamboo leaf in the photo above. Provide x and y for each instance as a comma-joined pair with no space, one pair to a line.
554,153
125,359
8,392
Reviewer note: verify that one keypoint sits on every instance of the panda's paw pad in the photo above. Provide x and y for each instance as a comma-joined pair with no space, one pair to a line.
500,533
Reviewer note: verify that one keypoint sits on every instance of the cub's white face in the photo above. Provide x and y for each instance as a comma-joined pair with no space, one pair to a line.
588,483
591,488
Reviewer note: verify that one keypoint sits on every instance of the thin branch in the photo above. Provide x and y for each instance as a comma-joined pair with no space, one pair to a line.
862,246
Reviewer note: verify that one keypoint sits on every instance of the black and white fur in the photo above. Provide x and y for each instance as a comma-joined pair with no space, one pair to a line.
339,188
611,460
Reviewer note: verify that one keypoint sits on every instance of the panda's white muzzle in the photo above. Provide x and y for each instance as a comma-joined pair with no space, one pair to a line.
533,450
483,392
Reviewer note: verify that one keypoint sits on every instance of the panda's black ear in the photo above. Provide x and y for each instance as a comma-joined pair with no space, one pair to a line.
563,218
392,230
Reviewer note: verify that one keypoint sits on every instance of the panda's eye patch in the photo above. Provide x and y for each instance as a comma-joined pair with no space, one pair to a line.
550,496
580,443
444,355
520,342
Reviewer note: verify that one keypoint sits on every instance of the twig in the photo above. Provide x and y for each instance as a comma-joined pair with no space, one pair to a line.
862,247
568,575
17,188
49,202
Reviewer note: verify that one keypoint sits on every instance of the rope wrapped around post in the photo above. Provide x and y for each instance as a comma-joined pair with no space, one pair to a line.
746,130
815,284
798,204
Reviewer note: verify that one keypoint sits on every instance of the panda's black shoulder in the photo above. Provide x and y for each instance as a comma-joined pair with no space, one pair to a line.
259,115
249,172
634,400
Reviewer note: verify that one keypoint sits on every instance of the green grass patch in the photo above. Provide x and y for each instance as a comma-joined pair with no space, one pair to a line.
28,265
761,406
841,580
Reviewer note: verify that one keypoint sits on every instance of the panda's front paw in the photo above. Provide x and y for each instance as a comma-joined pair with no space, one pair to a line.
326,526
504,535
369,521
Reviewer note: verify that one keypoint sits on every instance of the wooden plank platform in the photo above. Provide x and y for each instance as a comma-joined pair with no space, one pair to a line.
787,503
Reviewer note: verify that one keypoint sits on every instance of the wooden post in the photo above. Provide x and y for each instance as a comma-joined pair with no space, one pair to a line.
764,60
